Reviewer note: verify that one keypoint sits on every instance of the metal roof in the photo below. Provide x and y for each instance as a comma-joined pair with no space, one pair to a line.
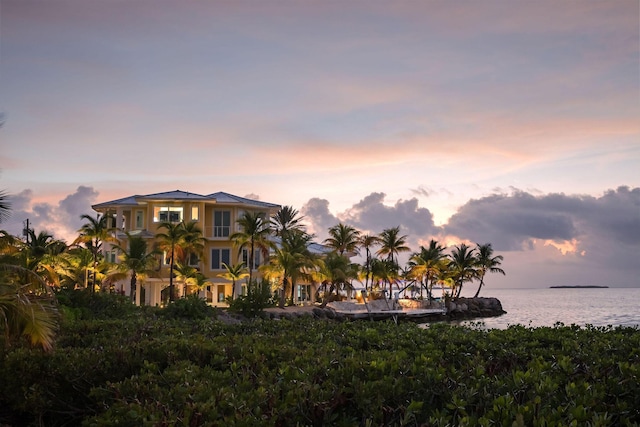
219,197
222,197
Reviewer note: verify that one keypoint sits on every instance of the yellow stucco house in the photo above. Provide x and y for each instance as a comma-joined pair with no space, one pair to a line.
215,214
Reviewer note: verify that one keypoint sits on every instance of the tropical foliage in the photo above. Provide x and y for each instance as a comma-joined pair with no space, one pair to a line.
287,261
143,369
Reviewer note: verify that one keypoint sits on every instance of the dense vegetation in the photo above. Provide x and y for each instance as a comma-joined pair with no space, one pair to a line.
116,364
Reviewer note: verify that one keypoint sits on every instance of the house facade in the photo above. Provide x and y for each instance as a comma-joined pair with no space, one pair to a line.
215,214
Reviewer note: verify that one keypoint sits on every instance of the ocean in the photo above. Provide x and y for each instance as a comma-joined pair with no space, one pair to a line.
546,307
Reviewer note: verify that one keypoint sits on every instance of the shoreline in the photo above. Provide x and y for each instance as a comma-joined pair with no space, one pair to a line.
460,309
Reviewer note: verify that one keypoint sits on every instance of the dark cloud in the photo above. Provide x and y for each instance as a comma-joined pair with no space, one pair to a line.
20,211
510,221
371,214
317,216
75,205
617,214
606,229
62,220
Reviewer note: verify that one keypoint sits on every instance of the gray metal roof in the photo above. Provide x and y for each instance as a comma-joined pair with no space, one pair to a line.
219,197
126,201
222,197
175,195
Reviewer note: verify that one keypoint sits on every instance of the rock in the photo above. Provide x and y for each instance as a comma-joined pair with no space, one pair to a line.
319,313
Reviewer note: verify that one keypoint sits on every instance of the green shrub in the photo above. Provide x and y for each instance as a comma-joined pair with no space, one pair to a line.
157,370
83,304
252,304
190,307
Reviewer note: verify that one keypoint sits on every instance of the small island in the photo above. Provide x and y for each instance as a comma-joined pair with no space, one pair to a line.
577,287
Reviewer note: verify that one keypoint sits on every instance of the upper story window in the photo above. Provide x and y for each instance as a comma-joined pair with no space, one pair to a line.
218,257
167,214
195,213
139,219
221,223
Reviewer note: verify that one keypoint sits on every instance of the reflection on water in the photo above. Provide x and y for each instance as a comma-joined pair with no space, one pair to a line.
546,307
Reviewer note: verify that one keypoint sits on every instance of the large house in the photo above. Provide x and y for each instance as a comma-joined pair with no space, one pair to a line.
215,214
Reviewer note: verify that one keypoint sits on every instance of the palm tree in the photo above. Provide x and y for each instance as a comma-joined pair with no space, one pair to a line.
42,254
463,267
391,244
5,206
29,309
385,271
193,242
343,238
286,220
367,241
136,260
27,305
191,277
170,241
486,262
234,273
255,232
427,264
337,272
291,261
92,234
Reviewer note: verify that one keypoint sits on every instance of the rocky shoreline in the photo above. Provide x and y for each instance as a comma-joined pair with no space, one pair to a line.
471,308
459,309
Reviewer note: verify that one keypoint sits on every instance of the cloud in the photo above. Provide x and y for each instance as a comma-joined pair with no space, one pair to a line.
317,217
605,229
371,215
62,220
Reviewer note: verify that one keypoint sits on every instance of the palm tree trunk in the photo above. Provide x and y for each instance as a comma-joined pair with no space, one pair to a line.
171,290
132,291
479,287
459,290
251,260
284,291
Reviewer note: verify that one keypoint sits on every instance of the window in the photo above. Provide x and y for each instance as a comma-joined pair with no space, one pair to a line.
193,260
167,214
219,256
195,213
110,256
221,223
256,258
139,220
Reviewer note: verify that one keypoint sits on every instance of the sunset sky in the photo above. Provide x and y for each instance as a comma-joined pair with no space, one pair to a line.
515,123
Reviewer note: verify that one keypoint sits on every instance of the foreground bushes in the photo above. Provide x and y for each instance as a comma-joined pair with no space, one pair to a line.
151,370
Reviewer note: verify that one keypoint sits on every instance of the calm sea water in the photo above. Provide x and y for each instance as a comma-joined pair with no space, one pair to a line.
546,307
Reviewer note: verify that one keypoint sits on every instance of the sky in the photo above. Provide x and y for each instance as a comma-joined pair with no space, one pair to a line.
510,123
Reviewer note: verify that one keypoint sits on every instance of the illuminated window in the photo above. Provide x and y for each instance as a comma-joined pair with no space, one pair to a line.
195,213
167,214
